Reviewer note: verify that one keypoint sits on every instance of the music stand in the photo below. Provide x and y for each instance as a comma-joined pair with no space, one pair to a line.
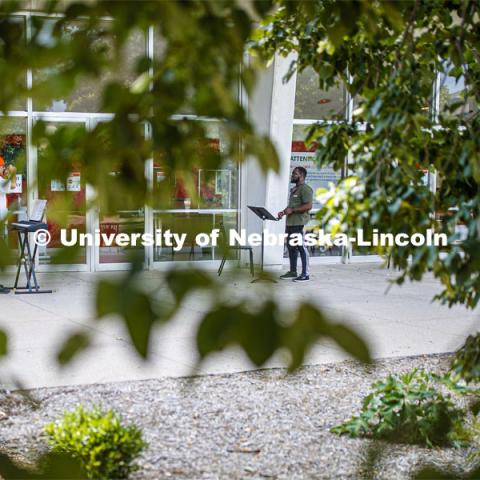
263,214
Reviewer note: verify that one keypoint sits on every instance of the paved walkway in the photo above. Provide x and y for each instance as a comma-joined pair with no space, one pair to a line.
401,322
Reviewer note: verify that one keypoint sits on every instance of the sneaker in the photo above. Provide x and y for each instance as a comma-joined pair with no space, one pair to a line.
288,275
302,278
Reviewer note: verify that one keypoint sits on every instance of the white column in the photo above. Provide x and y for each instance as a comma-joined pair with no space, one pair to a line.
281,128
271,109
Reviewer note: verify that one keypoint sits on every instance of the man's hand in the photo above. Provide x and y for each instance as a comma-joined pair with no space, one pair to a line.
287,211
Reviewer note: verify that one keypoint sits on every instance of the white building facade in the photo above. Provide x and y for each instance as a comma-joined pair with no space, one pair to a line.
283,110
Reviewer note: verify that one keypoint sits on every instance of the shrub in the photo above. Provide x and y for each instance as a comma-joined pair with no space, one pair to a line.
104,447
407,409
466,362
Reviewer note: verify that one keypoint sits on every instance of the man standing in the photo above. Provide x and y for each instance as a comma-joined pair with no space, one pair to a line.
299,204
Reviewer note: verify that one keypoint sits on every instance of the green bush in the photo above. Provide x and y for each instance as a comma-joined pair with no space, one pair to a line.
466,362
104,447
407,409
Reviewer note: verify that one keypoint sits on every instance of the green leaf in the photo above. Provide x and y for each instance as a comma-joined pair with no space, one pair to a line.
135,307
351,342
53,466
73,345
182,282
311,325
3,343
256,333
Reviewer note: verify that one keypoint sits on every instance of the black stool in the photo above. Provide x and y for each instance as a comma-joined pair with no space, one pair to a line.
228,248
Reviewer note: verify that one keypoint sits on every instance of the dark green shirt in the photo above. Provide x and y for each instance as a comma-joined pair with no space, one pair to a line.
299,195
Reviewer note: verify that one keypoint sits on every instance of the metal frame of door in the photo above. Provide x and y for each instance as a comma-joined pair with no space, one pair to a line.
92,216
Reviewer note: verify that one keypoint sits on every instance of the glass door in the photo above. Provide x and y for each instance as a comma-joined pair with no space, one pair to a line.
123,215
60,182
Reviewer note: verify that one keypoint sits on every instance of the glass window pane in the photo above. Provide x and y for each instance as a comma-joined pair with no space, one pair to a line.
13,29
177,69
305,157
13,152
191,223
129,221
159,48
39,5
196,201
87,93
199,188
302,156
454,92
313,103
159,45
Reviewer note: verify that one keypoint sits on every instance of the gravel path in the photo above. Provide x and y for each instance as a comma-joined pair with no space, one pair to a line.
263,424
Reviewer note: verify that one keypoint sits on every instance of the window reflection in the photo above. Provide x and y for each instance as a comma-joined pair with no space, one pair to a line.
66,197
303,156
455,95
195,201
86,95
313,103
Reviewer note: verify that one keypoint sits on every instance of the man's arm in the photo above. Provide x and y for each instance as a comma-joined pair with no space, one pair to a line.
301,209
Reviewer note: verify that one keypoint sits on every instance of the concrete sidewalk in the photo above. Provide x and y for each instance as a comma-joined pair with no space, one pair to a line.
401,322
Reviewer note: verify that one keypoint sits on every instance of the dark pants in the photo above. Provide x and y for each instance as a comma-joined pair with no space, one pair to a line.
293,231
